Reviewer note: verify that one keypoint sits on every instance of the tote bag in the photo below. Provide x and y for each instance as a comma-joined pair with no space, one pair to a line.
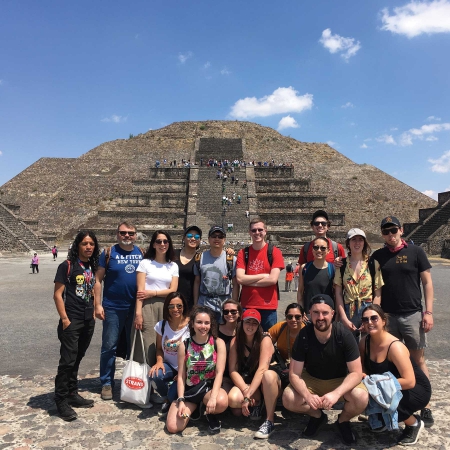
135,387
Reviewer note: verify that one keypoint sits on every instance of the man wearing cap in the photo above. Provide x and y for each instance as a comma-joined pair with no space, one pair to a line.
320,225
404,267
258,276
325,368
215,274
117,267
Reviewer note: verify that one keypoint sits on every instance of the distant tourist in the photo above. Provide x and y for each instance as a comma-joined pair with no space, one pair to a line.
54,252
35,263
289,277
74,300
320,225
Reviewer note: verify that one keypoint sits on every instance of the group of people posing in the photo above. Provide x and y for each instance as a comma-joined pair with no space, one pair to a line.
212,337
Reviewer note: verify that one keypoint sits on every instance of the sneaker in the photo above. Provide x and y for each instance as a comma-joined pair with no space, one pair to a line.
158,399
107,392
411,435
164,409
78,401
256,411
214,423
427,417
347,436
65,411
265,430
314,425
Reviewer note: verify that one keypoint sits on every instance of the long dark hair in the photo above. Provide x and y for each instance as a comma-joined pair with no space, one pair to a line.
74,255
296,306
169,298
151,252
252,362
200,310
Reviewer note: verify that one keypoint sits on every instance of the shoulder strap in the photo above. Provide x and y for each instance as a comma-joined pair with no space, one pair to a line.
371,265
246,256
69,270
342,269
230,261
334,245
339,336
270,254
283,327
305,250
198,258
306,267
397,340
331,271
186,343
142,250
107,256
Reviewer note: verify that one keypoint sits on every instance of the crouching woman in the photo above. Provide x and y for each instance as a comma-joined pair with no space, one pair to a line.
201,363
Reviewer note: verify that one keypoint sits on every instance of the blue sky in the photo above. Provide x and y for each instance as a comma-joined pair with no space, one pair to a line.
369,78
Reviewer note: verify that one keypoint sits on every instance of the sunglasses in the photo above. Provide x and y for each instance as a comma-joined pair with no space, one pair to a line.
195,236
161,241
233,312
293,316
217,236
257,230
389,231
319,247
373,319
178,306
130,233
317,223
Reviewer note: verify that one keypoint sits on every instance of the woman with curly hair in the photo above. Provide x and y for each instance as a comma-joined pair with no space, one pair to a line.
157,277
74,300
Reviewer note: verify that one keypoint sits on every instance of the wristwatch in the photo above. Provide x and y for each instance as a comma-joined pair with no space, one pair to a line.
180,399
246,400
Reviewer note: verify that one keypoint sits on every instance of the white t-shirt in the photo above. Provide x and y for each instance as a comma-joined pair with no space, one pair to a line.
157,276
170,341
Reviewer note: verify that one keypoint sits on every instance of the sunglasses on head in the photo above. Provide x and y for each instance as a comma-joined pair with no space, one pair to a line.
195,236
257,230
388,231
162,241
317,223
320,247
293,316
178,306
130,233
233,312
373,319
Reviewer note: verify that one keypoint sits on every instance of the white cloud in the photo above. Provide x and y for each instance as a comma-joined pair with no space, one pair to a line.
184,57
419,133
348,105
364,146
416,18
207,65
442,164
287,122
431,138
433,118
283,100
387,139
405,139
338,44
1,153
225,71
430,193
332,143
115,119
394,129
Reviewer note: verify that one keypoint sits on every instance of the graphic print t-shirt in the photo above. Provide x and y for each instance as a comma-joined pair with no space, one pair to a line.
79,291
120,281
170,341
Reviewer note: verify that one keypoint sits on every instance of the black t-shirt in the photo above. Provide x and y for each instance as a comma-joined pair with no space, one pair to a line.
186,279
401,293
316,281
79,292
329,360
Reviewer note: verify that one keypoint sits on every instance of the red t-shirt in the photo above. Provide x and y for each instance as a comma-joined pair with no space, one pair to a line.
259,297
310,256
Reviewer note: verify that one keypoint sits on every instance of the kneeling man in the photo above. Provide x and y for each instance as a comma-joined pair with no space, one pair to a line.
325,368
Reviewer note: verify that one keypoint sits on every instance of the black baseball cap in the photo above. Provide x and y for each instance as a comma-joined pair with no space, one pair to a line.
216,228
319,213
389,221
193,227
322,298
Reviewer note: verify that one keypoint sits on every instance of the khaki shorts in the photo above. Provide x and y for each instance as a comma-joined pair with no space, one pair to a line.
321,387
408,329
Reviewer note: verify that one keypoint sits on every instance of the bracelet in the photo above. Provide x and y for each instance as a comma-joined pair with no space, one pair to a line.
180,399
429,313
246,400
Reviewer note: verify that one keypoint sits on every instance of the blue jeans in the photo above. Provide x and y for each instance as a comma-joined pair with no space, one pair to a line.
161,381
268,318
115,321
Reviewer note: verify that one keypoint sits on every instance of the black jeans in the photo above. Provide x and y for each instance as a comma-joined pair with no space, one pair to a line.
75,340
35,267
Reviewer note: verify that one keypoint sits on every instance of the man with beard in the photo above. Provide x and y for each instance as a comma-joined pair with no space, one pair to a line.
117,267
325,368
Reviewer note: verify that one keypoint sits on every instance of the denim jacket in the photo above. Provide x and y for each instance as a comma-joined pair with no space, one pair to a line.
384,396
